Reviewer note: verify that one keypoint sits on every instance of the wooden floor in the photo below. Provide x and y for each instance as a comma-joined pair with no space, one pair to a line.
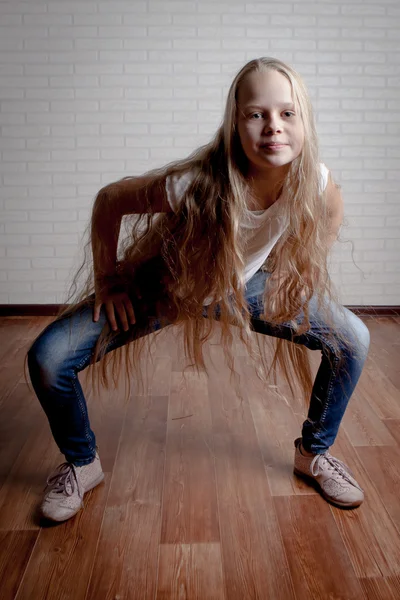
199,499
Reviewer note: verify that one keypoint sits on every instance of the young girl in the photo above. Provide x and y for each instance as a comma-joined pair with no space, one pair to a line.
197,253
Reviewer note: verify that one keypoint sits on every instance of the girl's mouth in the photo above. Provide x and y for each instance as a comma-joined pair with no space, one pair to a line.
273,146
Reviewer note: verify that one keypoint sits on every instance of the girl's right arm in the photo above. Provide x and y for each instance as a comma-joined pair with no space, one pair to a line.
127,196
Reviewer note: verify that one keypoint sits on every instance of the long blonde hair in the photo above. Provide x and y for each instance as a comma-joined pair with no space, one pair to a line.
178,260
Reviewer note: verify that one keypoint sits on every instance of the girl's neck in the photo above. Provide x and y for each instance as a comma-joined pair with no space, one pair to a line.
266,189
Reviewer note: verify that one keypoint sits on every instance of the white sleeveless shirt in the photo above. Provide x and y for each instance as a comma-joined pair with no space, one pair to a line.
261,228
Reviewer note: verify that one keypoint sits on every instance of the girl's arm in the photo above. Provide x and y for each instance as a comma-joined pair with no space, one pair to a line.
126,196
136,195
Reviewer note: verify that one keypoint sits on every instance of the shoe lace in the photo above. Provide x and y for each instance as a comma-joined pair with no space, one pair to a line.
63,480
335,465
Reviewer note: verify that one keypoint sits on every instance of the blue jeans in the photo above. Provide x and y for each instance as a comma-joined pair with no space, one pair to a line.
65,348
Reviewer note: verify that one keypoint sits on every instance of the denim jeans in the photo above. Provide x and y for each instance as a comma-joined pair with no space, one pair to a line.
65,348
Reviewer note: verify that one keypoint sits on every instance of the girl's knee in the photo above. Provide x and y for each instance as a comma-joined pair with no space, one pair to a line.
64,348
51,353
358,333
364,334
43,361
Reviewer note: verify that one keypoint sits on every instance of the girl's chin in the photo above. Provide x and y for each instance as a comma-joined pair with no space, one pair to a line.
273,162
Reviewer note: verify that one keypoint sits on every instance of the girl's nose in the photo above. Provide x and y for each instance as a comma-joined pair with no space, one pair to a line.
273,126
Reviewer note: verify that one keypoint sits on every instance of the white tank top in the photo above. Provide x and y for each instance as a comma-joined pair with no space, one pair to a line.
262,228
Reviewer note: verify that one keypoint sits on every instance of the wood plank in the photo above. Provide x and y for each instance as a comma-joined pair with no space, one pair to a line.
382,465
371,539
255,563
12,363
21,416
22,490
107,410
238,347
385,349
381,588
169,343
385,328
362,424
230,409
394,427
12,369
189,501
64,553
15,331
16,336
34,325
318,560
249,438
378,390
277,427
189,571
160,376
15,550
11,333
127,557
181,363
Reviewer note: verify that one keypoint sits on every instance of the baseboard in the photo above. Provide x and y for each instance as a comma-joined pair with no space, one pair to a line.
375,311
29,310
47,310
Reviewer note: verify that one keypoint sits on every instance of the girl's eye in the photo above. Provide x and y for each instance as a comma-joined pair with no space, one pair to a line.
257,116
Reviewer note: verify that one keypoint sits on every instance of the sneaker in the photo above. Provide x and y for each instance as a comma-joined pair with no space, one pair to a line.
66,486
334,478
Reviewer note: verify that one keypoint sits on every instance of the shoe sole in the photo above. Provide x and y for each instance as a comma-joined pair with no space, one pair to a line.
316,485
92,485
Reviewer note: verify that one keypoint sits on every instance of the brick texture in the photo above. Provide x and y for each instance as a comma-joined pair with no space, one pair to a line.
95,90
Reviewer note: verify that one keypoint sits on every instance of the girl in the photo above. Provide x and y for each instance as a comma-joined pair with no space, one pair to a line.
197,253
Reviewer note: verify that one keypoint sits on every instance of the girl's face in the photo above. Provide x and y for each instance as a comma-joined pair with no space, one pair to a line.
270,128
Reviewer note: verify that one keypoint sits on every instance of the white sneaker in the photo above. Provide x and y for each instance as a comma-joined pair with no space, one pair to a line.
336,481
66,486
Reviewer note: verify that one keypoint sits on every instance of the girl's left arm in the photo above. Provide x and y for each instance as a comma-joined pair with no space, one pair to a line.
335,205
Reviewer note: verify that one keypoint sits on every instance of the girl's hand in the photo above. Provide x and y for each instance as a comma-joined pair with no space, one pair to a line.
115,303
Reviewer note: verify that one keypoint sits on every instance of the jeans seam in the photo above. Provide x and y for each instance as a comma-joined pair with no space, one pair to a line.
81,406
332,376
86,358
79,367
323,341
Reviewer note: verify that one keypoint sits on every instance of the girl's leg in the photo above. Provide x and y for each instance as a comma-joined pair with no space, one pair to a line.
56,357
334,383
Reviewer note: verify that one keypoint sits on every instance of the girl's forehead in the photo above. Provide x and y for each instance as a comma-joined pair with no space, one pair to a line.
264,86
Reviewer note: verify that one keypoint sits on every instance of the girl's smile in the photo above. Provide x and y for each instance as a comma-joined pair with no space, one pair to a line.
273,146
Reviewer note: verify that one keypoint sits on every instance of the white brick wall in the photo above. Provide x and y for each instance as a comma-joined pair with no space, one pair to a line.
91,91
